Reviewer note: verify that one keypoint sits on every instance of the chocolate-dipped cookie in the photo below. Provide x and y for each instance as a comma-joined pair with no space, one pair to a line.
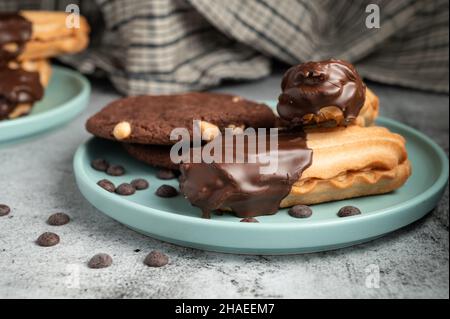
151,119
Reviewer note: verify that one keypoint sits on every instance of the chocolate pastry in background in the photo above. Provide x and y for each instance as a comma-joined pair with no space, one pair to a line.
151,119
18,87
316,92
21,85
345,163
51,37
15,31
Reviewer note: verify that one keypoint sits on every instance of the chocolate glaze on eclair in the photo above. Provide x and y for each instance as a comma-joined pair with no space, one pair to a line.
242,187
309,87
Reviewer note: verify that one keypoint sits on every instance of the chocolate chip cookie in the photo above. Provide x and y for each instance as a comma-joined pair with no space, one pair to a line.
151,119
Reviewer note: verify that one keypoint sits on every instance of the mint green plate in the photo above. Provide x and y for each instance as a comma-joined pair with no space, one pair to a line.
65,97
175,220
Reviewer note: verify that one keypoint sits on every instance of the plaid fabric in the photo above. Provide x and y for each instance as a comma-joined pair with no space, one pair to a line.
165,46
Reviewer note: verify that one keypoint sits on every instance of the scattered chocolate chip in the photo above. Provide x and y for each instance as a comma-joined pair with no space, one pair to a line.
47,239
165,173
4,210
139,184
166,191
58,219
300,211
137,250
156,259
348,211
249,220
100,164
125,189
107,185
100,261
115,170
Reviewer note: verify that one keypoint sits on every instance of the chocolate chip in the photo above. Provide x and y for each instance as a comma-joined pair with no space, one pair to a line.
100,261
115,170
166,191
58,219
165,173
4,210
100,164
139,183
47,239
137,250
300,211
107,185
249,220
156,259
348,211
125,189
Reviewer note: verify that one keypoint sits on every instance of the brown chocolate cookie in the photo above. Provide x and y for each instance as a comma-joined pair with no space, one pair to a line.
154,155
151,119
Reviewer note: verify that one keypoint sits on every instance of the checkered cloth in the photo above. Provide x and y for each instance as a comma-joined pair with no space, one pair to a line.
165,46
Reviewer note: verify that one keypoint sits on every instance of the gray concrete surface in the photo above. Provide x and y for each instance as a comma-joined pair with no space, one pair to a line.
36,180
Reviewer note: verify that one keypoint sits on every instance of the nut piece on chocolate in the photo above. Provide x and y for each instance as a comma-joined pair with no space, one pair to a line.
151,119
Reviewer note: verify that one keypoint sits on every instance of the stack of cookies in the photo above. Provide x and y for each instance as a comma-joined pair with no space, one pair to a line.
327,145
27,40
143,124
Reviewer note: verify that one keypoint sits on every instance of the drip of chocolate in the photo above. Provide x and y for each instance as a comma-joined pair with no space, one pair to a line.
309,87
15,31
244,187
18,86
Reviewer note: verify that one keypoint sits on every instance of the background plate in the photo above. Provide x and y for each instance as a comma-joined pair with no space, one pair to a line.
65,97
176,221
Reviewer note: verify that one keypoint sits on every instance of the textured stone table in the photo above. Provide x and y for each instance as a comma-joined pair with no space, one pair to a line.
36,180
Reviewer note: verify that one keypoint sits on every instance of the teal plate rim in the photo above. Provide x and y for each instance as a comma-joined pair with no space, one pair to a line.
425,201
16,130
